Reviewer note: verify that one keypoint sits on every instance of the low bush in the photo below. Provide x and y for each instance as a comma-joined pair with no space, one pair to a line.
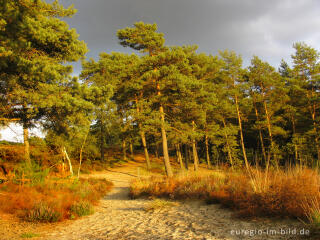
42,212
52,200
82,208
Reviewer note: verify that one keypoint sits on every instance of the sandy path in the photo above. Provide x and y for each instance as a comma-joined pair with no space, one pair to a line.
119,218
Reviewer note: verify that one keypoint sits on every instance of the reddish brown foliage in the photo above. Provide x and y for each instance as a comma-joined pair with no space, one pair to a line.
19,200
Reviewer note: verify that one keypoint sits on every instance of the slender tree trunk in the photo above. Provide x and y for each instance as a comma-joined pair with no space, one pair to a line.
164,139
207,150
260,133
270,134
131,150
156,150
194,150
81,151
241,134
101,143
69,161
179,156
228,146
186,152
317,135
144,144
295,145
124,150
143,140
312,107
26,144
165,145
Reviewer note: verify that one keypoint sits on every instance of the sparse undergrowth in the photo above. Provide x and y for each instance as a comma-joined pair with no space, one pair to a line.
54,200
293,193
159,204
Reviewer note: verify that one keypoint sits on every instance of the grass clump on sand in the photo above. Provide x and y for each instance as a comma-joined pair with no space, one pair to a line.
292,193
159,204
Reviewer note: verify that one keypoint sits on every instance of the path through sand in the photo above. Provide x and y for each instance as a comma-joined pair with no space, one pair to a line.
120,218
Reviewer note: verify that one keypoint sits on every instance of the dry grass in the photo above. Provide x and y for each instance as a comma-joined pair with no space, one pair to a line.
160,204
51,201
293,193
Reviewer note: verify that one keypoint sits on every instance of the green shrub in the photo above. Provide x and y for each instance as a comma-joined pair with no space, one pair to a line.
42,212
32,172
82,208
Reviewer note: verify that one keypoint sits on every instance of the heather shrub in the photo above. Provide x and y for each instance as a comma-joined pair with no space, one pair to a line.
42,212
82,208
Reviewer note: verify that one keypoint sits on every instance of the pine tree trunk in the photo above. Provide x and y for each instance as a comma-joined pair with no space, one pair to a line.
179,157
164,139
194,151
131,150
186,152
26,144
156,151
144,144
295,145
241,135
270,134
101,143
165,145
260,134
124,150
81,151
207,150
143,139
313,114
228,146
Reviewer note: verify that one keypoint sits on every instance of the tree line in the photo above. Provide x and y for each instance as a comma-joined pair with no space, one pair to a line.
165,99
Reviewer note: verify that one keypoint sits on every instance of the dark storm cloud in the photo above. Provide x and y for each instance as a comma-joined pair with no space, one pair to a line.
249,27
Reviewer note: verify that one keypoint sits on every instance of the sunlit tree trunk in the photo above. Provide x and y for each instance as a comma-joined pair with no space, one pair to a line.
241,134
260,133
227,143
270,134
194,150
26,144
164,139
186,159
179,156
101,142
207,150
143,139
124,150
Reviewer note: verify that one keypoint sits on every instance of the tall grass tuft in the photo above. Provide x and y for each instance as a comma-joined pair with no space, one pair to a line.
292,193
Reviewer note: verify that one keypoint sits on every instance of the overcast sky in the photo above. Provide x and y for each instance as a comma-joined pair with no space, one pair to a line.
266,28
249,27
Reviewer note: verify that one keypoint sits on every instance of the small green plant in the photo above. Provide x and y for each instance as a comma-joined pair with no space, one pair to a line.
82,208
30,171
312,210
29,235
42,212
159,204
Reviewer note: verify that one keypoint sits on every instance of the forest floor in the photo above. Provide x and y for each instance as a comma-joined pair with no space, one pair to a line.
118,217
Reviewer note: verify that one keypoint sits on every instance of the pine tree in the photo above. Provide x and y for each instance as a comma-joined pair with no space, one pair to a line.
36,46
144,37
306,70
